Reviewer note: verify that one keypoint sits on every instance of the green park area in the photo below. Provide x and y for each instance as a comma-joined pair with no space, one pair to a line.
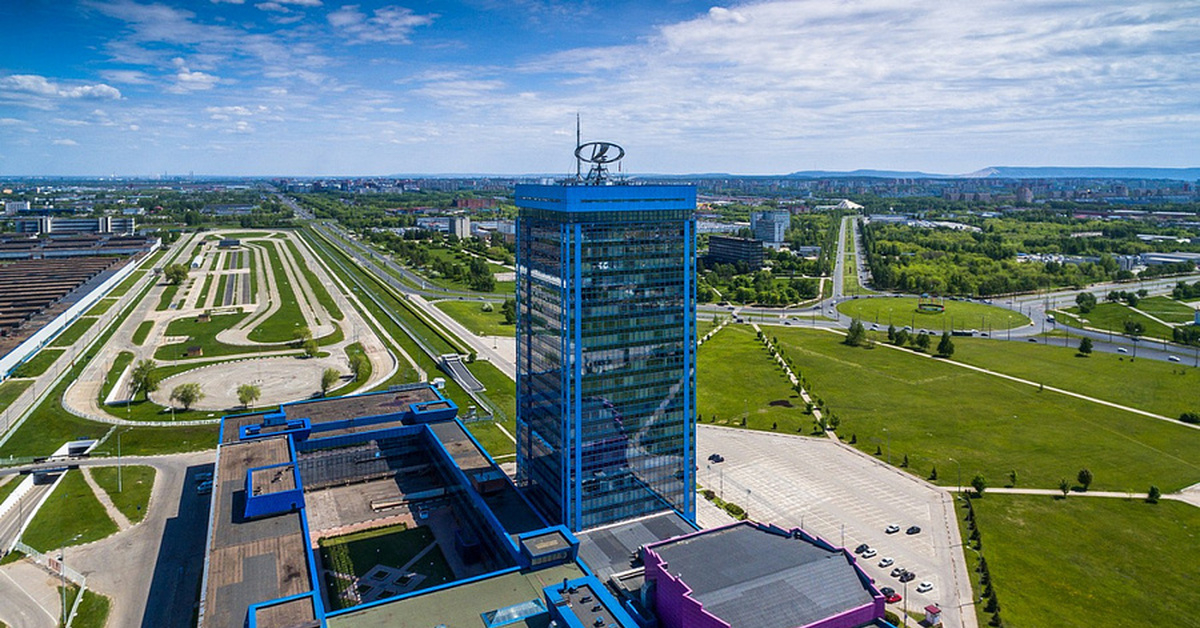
1113,317
282,324
71,516
932,411
901,311
142,332
73,333
101,307
353,556
202,334
1076,562
1151,385
763,396
130,493
481,323
38,363
1167,309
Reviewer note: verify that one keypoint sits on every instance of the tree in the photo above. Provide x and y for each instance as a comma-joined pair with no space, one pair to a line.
945,346
1012,477
329,377
302,335
892,333
1085,346
143,379
923,342
1064,486
311,349
979,483
1153,495
187,394
248,394
856,334
1134,328
360,366
175,274
901,338
933,474
1085,478
1086,301
509,310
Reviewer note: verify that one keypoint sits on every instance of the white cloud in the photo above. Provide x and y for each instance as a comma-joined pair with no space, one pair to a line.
128,77
390,24
35,85
65,142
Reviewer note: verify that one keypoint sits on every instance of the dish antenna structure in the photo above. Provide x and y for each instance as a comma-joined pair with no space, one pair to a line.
598,154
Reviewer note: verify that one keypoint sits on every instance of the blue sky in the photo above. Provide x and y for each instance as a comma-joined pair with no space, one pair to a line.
322,87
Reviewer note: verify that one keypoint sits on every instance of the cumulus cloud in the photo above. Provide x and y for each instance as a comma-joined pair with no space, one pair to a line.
390,24
65,142
36,85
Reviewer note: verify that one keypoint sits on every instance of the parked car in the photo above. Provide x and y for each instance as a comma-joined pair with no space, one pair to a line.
716,458
1122,350
893,598
870,553
886,562
892,529
886,591
862,548
908,576
913,530
925,587
1173,358
897,572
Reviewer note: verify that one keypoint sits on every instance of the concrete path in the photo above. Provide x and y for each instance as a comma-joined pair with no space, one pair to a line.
503,360
30,596
114,513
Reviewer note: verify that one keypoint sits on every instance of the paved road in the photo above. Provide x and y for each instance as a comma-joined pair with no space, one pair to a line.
831,490
30,596
11,521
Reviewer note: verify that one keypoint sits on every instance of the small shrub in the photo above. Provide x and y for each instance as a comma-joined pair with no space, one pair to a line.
1153,495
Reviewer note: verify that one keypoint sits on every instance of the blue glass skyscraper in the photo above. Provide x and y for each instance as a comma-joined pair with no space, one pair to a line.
606,350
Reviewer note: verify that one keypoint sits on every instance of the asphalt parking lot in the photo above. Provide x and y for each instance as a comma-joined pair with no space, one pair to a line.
848,499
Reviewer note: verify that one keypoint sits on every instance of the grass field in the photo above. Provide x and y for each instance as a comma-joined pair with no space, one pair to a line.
123,359
72,334
9,485
219,300
1044,563
933,411
766,398
204,335
101,307
472,316
71,510
352,350
202,298
92,611
1112,317
356,554
10,390
136,484
142,332
167,297
1167,309
901,311
127,284
283,323
501,391
319,290
38,363
1151,385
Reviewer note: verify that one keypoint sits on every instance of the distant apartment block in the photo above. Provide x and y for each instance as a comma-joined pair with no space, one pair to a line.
12,207
474,203
53,224
460,226
730,250
769,227
228,210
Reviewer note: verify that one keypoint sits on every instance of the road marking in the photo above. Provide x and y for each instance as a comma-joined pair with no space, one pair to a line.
30,596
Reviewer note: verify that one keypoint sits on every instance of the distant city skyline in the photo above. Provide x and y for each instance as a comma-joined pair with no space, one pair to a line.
322,88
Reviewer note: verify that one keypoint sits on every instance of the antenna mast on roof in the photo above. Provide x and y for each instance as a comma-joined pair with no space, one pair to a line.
578,160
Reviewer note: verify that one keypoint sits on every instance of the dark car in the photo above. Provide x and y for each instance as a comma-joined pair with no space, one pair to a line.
913,530
886,591
889,595
861,548
908,576
716,458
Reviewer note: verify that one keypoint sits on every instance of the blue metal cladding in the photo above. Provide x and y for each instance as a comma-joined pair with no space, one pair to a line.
606,305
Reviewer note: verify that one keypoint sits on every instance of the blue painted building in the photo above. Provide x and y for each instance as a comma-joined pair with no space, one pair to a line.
606,363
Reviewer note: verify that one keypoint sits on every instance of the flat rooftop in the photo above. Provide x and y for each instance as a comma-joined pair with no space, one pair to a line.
751,577
359,406
462,605
252,561
608,550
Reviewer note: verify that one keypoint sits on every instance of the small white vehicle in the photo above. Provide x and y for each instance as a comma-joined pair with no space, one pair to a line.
925,587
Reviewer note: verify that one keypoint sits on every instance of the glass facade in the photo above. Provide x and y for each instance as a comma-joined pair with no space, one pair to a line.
606,368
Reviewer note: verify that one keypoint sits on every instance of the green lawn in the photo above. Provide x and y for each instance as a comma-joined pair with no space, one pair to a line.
1075,560
901,311
393,546
319,290
1151,385
72,334
1167,309
502,392
71,510
142,332
122,360
219,300
934,411
204,335
283,323
766,399
92,611
1112,317
352,350
472,316
136,485
38,363
167,297
203,297
9,485
101,307
127,284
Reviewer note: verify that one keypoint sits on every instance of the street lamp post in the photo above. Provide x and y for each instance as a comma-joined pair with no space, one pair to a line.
959,467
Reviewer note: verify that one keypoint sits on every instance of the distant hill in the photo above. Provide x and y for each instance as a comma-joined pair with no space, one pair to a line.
880,174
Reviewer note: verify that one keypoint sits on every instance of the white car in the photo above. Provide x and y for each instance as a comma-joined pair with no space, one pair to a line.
870,553
886,562
892,529
1122,350
1173,358
925,587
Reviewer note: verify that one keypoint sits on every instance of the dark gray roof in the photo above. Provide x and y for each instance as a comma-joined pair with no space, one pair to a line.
607,550
750,577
